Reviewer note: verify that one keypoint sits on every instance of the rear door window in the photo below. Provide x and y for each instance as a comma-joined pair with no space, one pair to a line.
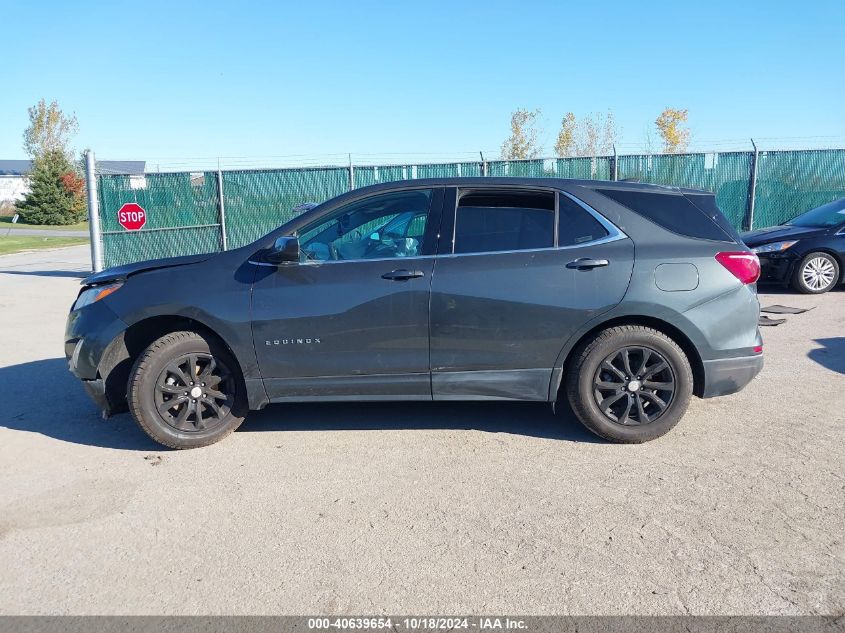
492,221
575,225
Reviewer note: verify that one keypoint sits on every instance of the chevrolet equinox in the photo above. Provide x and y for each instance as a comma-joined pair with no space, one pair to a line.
623,299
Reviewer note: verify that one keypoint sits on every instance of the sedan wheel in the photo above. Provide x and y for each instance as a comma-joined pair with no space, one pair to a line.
816,273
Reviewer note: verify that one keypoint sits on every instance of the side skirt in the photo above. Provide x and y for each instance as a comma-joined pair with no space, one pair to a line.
512,384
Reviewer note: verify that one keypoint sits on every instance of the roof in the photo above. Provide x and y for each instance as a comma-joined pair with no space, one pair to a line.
23,167
553,183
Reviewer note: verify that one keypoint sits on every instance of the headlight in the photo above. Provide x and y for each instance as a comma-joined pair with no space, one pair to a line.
774,247
92,295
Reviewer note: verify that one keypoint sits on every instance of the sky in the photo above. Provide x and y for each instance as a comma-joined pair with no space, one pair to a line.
182,83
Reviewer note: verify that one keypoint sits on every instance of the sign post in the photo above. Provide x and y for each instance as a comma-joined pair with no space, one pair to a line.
132,216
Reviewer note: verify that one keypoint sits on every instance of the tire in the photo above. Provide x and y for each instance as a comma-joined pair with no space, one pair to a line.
589,381
816,273
201,379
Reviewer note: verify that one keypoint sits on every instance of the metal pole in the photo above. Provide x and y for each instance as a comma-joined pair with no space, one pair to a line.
93,213
752,187
483,164
222,208
351,174
615,163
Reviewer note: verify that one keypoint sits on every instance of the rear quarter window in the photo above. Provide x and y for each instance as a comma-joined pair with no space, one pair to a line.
673,211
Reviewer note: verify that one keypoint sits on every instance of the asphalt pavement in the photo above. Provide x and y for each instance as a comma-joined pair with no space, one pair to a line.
419,508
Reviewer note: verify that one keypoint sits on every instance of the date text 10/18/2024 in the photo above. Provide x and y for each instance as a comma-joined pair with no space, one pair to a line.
417,623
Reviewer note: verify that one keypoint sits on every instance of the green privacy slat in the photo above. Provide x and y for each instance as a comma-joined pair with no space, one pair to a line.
134,246
725,174
791,182
258,201
169,199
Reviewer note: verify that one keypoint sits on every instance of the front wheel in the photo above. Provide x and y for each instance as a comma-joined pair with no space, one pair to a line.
186,392
629,384
816,273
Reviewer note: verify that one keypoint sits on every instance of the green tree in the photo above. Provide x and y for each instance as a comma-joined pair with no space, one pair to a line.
56,193
671,127
524,139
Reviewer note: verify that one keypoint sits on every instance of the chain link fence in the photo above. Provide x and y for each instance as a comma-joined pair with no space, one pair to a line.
199,212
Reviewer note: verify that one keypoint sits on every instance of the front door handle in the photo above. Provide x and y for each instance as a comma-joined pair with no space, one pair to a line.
585,263
403,274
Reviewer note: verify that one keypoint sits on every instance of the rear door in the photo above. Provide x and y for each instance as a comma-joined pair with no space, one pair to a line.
519,270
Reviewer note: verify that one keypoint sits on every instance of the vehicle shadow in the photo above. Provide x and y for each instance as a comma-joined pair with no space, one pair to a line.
831,355
782,289
43,397
521,418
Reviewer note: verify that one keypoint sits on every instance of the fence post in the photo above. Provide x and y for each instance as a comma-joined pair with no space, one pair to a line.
483,164
752,189
96,234
221,207
351,174
615,163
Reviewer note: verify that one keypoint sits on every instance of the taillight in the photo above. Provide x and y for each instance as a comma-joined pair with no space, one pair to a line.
758,349
743,265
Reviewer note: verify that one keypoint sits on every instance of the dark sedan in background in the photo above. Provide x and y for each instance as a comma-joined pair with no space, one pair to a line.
807,252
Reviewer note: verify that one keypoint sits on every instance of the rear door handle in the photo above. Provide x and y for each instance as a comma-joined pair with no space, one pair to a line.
403,274
585,263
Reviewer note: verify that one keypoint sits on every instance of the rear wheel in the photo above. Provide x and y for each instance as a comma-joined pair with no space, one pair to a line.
816,273
629,384
185,391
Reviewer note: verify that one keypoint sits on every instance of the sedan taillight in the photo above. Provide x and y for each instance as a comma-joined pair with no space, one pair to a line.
743,265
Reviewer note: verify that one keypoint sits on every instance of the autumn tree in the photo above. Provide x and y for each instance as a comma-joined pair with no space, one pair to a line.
592,135
524,139
57,190
671,125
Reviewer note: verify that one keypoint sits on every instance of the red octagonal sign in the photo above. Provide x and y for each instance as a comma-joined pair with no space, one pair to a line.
132,216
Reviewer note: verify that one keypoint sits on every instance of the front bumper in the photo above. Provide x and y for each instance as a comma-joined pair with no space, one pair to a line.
87,335
775,268
725,376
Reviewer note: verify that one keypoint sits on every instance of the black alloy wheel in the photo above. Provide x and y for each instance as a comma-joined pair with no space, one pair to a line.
194,393
634,385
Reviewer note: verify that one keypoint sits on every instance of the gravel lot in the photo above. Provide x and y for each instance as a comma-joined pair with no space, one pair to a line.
419,508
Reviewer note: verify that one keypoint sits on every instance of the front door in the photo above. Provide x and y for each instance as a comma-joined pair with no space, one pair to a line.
351,319
521,270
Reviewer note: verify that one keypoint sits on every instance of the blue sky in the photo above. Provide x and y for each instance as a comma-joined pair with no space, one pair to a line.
175,82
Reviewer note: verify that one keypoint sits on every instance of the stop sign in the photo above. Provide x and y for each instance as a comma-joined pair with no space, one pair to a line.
132,216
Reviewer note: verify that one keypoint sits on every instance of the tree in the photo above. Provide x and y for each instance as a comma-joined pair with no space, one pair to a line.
564,146
49,130
670,126
56,193
593,135
524,139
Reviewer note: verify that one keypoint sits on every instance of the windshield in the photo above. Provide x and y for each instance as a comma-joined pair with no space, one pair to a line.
829,214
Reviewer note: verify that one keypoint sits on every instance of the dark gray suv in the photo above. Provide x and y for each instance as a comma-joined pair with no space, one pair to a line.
624,299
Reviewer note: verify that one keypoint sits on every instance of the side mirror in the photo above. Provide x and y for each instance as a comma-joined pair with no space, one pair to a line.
284,250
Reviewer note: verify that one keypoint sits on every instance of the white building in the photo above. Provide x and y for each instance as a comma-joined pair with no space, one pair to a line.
14,185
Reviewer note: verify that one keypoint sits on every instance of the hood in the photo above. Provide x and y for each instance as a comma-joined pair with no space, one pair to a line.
122,272
777,233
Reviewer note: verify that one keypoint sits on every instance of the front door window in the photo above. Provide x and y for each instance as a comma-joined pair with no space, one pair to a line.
385,226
